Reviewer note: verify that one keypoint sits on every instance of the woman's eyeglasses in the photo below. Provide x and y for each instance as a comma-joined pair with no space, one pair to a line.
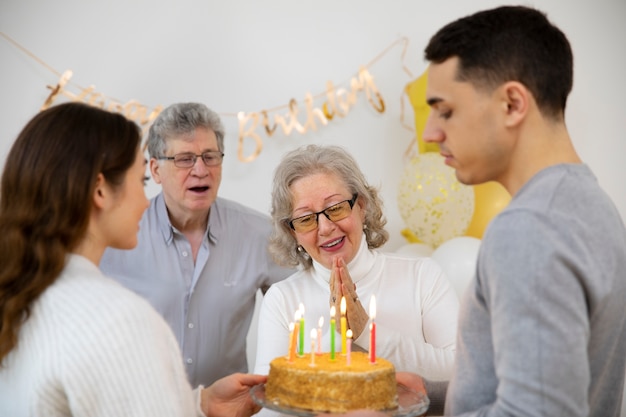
333,213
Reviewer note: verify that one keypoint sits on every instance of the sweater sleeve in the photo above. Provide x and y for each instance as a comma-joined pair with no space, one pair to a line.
431,353
127,362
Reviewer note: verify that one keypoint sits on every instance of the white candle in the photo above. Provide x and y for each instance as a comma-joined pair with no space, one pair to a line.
320,323
348,346
313,337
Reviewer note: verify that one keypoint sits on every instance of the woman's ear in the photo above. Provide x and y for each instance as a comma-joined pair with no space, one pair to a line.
100,193
362,207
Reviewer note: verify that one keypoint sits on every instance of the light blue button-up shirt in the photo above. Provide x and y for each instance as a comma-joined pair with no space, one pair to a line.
209,304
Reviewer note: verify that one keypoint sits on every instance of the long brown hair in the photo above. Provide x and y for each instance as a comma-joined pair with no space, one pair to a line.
46,199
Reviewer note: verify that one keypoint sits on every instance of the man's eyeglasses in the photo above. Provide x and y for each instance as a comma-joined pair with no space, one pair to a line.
188,160
333,213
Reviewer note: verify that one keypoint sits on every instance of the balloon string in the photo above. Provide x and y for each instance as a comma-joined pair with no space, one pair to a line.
403,40
30,54
48,67
378,57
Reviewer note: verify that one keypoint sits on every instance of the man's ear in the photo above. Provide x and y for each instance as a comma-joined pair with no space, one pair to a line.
100,193
516,100
154,170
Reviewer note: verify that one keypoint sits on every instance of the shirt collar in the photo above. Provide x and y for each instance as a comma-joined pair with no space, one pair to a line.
167,230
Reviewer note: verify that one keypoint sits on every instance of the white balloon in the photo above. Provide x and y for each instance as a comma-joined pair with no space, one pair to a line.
434,205
417,250
457,257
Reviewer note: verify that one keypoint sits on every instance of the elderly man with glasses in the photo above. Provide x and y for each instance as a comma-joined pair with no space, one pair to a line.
200,259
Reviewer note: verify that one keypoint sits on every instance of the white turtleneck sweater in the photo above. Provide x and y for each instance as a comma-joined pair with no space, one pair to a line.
416,312
93,348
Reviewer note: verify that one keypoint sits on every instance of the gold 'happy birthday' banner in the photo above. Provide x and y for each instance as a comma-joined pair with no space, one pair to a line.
337,102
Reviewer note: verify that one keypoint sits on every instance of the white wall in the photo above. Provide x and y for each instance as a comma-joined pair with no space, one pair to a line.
239,55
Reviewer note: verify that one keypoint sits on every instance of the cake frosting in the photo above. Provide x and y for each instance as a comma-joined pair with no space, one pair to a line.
332,385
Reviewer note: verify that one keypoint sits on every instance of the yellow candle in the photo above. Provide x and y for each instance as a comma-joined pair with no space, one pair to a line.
332,333
344,324
296,332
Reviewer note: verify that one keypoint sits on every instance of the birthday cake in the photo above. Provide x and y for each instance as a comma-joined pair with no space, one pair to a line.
332,385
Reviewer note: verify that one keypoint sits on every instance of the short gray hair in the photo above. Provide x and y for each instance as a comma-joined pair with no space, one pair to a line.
304,162
181,119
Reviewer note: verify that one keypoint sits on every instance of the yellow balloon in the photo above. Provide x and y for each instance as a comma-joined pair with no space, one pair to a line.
416,90
490,199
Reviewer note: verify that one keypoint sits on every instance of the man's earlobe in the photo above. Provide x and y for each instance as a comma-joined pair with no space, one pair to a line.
516,101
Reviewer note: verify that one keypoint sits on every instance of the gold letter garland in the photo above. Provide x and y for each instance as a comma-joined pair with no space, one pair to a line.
338,103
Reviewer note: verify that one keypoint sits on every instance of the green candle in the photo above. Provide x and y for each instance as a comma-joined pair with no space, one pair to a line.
301,346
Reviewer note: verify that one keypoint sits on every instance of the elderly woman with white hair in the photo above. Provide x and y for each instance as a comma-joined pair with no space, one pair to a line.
328,221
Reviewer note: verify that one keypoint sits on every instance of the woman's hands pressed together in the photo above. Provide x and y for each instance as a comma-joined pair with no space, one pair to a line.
341,285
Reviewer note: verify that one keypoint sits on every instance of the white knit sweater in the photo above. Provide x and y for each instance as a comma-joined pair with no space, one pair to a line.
416,316
93,348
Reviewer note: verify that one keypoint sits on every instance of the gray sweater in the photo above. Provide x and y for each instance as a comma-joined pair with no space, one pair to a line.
542,328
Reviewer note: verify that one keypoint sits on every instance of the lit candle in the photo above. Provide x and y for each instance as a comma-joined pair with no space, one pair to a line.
301,346
313,337
320,323
344,324
296,331
292,349
348,346
332,333
372,330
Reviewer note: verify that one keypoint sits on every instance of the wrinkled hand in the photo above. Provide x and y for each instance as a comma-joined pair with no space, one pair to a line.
341,285
412,381
230,396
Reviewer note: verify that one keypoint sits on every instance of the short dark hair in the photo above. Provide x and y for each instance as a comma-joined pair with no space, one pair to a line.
509,43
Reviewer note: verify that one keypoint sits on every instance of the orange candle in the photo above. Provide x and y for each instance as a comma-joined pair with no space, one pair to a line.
348,346
332,333
292,350
344,324
372,330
